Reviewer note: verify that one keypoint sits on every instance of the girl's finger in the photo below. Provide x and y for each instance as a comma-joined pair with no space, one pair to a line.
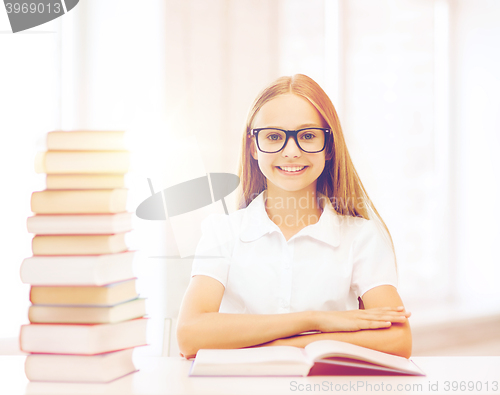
377,324
380,318
385,313
389,308
397,313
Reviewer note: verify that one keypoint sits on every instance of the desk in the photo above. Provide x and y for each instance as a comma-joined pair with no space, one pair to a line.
168,375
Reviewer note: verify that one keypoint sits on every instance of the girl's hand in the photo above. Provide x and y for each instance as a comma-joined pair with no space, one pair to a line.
187,356
276,342
355,320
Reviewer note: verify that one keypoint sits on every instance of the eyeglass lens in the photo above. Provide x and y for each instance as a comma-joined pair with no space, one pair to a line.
309,140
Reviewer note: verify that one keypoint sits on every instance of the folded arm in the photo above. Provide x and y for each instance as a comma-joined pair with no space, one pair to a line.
202,326
395,339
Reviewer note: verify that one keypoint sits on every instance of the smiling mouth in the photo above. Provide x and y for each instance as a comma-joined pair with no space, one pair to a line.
291,169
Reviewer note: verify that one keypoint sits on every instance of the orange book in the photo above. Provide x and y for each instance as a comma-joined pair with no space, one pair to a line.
78,244
86,140
87,314
81,295
85,181
90,201
88,162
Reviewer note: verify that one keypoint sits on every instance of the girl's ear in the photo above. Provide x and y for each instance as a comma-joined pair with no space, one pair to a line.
329,152
253,149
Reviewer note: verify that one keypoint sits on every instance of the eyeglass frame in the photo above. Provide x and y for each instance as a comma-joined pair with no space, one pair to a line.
293,133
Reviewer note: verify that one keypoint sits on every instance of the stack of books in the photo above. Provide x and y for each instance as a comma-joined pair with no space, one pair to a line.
86,316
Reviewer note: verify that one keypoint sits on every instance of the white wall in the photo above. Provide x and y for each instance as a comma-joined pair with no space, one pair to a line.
415,82
476,126
389,114
29,92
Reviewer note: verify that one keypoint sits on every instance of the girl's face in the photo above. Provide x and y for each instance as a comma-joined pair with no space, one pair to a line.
289,112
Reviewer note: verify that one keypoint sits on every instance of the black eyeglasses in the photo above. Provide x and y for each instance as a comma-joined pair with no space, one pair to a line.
272,140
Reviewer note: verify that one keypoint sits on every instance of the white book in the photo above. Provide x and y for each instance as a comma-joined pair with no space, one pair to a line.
101,368
77,269
82,339
323,357
46,224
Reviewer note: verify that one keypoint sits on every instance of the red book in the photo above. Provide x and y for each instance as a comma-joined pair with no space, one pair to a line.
100,368
82,339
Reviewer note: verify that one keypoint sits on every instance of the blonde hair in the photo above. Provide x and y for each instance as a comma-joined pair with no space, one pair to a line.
339,181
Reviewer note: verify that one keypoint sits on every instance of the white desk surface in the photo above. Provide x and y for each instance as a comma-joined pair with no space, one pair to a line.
169,375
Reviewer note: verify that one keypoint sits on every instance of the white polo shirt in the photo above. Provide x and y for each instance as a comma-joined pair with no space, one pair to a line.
325,266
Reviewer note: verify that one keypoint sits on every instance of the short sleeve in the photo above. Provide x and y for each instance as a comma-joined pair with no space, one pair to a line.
373,259
213,253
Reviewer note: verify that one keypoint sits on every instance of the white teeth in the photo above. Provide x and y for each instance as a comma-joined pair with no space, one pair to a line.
292,169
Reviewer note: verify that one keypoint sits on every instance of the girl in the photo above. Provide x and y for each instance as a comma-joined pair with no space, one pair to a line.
303,250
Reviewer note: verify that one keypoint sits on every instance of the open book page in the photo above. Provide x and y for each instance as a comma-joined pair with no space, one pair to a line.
281,354
331,348
365,366
262,361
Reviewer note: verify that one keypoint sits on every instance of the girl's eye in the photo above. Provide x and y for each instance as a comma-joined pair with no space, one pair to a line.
308,136
274,137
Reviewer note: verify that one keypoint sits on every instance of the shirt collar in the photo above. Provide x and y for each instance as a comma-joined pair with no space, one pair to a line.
256,223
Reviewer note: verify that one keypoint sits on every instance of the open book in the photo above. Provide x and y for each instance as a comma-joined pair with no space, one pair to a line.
323,357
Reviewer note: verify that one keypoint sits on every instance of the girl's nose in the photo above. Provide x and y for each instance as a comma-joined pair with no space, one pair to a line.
291,149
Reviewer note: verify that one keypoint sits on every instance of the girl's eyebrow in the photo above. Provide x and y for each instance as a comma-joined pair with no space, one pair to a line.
306,125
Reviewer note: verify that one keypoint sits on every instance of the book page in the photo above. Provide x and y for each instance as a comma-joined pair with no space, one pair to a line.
340,361
281,354
332,348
